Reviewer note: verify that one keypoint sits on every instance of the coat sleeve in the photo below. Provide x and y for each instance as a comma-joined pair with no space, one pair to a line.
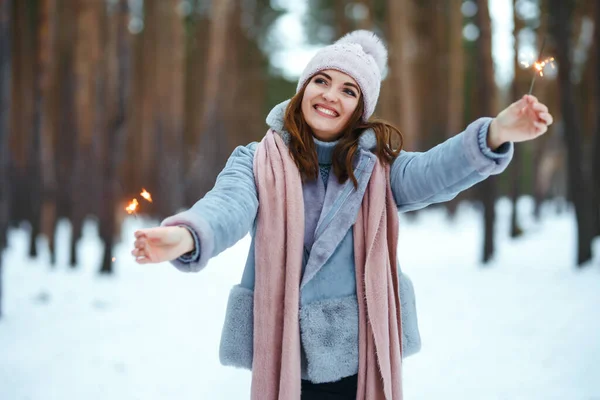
224,215
438,175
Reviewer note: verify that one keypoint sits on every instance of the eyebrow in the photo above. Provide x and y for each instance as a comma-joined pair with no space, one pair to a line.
345,84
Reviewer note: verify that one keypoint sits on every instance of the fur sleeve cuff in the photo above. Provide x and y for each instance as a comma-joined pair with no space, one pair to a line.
485,160
203,240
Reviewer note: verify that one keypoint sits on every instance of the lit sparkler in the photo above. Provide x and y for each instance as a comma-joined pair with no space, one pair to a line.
146,195
538,65
132,207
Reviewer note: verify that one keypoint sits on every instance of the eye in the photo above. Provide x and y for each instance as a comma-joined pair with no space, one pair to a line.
320,81
350,92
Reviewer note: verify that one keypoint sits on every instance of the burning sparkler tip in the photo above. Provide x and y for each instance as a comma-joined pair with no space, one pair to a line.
146,195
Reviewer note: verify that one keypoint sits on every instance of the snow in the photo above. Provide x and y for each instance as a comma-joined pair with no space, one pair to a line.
524,327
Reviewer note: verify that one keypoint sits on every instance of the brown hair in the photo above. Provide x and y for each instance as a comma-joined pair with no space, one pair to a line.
304,152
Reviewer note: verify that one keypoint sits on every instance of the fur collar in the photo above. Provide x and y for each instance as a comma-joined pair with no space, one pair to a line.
367,140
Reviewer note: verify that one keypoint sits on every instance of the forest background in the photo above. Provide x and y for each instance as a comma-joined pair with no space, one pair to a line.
100,99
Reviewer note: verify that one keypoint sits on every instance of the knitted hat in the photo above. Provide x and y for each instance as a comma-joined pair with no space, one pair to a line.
360,54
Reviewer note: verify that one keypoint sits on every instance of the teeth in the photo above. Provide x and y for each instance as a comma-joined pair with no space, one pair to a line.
326,111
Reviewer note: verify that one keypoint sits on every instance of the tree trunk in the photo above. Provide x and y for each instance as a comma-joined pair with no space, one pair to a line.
5,104
65,110
84,190
23,93
50,103
213,142
596,151
5,64
196,49
517,162
486,90
403,52
561,12
145,140
40,13
456,81
171,66
117,49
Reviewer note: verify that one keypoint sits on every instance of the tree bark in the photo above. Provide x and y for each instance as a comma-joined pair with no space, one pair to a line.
195,73
50,104
5,65
486,90
171,81
560,14
88,61
5,105
213,142
517,162
596,151
23,89
117,50
456,82
402,56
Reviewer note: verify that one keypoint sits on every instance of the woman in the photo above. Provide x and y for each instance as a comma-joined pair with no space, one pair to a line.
322,310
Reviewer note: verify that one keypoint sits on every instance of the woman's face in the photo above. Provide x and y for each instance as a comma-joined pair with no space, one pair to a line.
329,101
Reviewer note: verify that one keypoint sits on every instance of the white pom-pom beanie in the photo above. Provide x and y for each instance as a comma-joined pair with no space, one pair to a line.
360,54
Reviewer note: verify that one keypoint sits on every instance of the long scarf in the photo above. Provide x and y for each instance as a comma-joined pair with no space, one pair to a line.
278,252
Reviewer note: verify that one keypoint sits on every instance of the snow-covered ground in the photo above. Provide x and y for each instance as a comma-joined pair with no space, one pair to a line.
524,327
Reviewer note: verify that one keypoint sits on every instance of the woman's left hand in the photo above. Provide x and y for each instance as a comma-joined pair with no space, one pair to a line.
523,120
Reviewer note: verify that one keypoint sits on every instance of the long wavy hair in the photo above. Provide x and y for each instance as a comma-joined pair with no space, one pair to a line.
304,153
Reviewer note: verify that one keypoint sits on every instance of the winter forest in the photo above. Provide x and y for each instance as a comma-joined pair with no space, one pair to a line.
103,100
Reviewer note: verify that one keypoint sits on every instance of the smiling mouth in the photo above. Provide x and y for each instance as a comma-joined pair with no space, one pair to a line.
327,112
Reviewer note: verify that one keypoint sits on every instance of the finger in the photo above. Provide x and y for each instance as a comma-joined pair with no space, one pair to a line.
540,127
140,243
154,233
139,234
540,107
143,260
546,118
531,98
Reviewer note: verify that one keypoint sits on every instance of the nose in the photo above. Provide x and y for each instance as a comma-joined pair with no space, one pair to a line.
330,96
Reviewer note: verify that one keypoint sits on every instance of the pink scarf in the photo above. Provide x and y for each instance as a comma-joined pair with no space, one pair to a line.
279,246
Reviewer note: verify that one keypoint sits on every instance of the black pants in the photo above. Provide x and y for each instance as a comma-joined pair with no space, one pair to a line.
344,389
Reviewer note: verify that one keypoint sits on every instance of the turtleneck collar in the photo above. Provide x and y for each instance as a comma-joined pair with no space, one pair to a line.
324,150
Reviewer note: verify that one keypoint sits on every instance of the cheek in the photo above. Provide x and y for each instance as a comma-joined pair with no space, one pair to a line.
349,108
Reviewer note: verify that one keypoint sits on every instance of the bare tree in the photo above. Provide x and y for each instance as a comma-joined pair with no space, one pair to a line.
560,14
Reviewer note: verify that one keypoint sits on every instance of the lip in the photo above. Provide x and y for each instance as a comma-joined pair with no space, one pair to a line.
327,108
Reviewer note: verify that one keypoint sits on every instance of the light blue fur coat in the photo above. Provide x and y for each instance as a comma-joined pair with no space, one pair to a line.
328,305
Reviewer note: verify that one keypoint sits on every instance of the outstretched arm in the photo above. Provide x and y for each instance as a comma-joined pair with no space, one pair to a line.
224,215
485,148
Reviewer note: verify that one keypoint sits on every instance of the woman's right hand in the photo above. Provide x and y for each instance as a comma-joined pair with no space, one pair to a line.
160,244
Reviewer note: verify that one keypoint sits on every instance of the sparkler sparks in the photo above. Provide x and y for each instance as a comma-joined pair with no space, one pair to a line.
146,195
132,207
539,65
